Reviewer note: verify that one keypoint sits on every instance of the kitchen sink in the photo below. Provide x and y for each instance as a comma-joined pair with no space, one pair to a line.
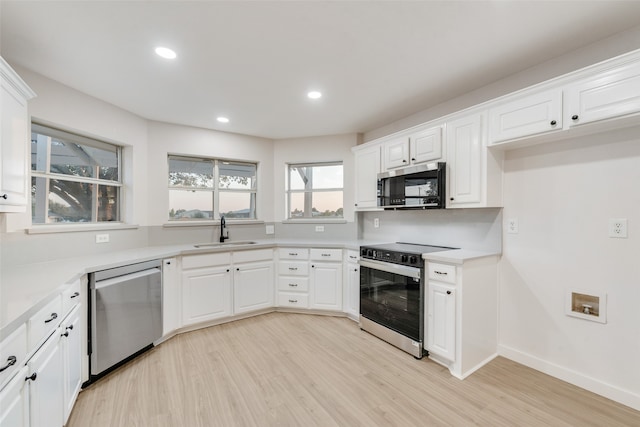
225,244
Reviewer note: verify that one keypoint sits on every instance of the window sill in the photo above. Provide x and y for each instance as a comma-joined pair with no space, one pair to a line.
210,223
315,221
74,228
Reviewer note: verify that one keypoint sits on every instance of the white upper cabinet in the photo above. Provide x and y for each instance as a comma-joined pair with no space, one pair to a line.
474,174
14,145
527,116
367,164
426,145
396,153
415,148
606,95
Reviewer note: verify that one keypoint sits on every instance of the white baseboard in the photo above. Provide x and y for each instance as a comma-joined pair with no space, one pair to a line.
596,386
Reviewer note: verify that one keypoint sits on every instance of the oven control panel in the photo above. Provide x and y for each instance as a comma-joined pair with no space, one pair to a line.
393,257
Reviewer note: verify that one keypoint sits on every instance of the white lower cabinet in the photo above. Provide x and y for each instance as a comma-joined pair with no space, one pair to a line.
14,401
326,286
441,323
171,298
46,384
206,294
253,286
352,286
461,320
72,359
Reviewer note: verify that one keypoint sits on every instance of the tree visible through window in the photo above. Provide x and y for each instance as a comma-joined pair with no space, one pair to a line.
315,190
206,189
74,179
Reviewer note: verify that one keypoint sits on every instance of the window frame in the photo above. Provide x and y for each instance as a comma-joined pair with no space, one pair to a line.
69,137
308,216
216,190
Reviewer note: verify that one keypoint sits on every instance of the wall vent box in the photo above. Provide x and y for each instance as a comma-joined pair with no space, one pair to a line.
587,305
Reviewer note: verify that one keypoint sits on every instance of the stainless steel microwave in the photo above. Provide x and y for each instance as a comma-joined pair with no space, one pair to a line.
415,187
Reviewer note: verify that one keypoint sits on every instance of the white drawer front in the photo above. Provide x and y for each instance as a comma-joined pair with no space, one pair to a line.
293,268
286,299
254,255
70,297
206,260
13,352
44,322
326,254
353,256
442,272
297,284
293,253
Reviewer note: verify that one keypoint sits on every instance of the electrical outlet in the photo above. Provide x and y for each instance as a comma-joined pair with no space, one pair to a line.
618,228
376,222
102,238
270,229
319,228
512,225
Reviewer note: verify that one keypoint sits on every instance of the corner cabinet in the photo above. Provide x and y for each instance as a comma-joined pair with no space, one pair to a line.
326,279
474,173
462,314
14,145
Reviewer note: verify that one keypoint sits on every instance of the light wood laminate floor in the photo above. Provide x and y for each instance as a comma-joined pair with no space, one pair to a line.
283,369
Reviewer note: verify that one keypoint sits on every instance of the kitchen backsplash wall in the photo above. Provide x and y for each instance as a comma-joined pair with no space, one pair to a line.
475,229
160,235
334,232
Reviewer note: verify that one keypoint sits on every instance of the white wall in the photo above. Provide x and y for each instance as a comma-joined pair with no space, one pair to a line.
314,149
167,139
563,195
74,111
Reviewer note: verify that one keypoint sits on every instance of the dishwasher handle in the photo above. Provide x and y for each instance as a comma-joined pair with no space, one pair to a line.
116,280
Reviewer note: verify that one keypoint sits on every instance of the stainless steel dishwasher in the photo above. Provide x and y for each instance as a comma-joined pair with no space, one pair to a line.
125,314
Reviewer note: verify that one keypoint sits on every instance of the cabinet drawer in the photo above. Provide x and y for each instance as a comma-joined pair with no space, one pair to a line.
254,255
286,299
206,260
294,268
293,253
44,322
70,297
442,272
353,256
13,352
298,284
326,254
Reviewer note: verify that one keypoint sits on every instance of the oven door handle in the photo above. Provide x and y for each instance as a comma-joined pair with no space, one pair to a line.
391,268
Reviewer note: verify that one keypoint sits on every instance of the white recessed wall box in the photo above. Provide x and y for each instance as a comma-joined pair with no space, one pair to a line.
587,305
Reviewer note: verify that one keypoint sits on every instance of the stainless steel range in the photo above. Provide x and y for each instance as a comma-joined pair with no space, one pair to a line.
392,294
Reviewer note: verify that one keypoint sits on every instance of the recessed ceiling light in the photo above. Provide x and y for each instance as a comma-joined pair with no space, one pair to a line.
166,53
222,119
314,94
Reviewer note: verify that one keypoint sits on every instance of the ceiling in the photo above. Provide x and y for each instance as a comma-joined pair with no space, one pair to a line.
253,62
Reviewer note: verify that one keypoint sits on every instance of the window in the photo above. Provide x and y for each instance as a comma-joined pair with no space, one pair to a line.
315,190
199,187
74,179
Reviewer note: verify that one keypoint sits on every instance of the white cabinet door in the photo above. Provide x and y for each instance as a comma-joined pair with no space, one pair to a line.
14,401
171,301
396,153
206,294
441,321
14,140
326,286
72,359
253,286
609,94
367,164
46,384
353,290
534,114
464,156
426,145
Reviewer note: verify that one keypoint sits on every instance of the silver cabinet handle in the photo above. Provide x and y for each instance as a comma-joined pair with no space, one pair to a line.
293,285
293,300
11,360
325,254
293,254
293,268
444,273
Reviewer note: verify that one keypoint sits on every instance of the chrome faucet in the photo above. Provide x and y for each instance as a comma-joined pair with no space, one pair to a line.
223,225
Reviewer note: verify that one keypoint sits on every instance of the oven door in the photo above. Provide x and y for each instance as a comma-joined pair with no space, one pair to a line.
392,295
